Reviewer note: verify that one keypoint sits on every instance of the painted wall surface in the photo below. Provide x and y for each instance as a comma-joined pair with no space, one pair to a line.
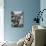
29,7
1,20
1,24
43,6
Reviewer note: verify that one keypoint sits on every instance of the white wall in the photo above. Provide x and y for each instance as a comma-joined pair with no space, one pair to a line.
43,6
1,20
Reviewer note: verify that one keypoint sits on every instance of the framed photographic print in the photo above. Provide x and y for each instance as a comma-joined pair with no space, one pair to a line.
17,18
